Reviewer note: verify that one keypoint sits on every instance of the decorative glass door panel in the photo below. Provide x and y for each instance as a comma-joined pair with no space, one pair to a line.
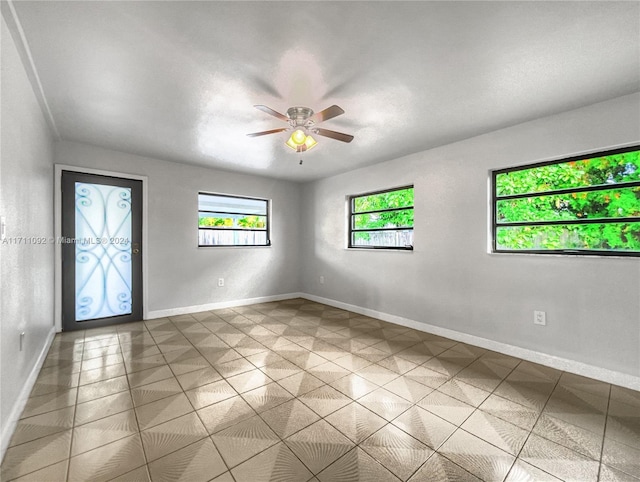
101,250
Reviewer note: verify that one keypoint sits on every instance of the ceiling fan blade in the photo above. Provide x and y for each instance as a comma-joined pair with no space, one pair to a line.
328,113
272,112
264,133
339,136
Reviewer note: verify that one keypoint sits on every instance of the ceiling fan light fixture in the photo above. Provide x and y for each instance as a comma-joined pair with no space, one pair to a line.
300,142
310,142
292,144
298,137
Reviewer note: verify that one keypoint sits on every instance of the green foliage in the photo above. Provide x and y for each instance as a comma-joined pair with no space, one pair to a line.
386,200
610,203
597,236
587,172
401,200
255,222
616,203
230,221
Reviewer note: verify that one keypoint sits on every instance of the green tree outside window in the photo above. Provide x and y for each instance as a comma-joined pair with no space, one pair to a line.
590,204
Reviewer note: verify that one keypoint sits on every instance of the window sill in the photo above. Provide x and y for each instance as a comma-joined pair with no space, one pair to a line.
565,255
234,247
386,250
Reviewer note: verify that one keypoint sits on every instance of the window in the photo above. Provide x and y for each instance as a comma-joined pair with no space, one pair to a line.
588,205
382,219
232,221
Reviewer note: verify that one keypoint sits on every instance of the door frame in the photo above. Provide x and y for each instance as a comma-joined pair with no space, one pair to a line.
57,216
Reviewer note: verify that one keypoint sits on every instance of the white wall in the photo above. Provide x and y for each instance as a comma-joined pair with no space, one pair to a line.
181,275
450,280
26,270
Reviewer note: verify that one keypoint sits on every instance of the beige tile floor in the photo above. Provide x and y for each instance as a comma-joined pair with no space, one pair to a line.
297,391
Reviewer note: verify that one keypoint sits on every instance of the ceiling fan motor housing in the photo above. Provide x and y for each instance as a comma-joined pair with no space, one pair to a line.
299,116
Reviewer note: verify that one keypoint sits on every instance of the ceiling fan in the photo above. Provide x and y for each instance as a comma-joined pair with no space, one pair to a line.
302,122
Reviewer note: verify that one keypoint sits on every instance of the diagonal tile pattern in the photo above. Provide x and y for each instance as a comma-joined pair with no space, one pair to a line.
441,469
319,445
275,463
356,465
477,456
324,400
36,454
564,463
101,432
396,450
446,407
45,403
425,426
289,418
102,407
163,410
356,422
297,391
108,461
496,431
571,436
385,403
224,414
198,461
244,440
32,428
170,436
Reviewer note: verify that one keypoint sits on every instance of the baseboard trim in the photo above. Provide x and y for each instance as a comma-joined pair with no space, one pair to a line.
9,426
559,363
219,305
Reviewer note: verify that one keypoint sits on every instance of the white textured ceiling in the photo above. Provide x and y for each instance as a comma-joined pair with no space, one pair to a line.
177,80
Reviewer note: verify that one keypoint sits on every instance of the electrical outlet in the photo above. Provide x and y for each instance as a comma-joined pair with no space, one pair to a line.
220,282
539,318
321,280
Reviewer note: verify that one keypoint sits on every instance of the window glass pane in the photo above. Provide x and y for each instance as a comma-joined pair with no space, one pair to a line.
220,220
595,236
214,237
609,203
386,219
610,169
386,200
230,204
232,221
401,238
573,206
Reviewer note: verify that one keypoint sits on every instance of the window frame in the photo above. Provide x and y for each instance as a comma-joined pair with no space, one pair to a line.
351,216
267,228
591,188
